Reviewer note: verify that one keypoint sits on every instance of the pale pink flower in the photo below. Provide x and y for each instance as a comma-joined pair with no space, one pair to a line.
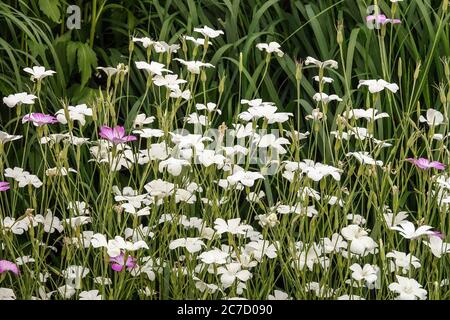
4,185
6,265
119,262
115,135
426,164
39,119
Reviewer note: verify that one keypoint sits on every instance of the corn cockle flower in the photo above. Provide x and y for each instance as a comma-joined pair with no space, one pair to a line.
378,85
19,98
119,262
434,118
6,265
208,32
115,135
141,120
169,81
426,164
38,73
402,261
382,19
4,185
270,48
39,119
408,289
247,178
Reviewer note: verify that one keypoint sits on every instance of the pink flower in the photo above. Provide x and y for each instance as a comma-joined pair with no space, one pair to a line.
381,19
4,185
39,119
119,262
437,234
6,265
116,135
426,164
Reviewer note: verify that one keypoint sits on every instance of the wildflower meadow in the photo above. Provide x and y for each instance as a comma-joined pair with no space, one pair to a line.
209,150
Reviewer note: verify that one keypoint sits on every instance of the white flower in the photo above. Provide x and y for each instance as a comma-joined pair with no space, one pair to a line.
369,114
7,294
90,295
270,140
320,96
317,171
324,79
361,243
279,295
77,112
434,118
194,66
146,42
152,67
315,115
247,178
408,230
367,273
216,256
169,81
260,248
210,157
270,48
177,93
149,133
356,219
74,274
395,220
192,245
50,222
378,85
232,226
29,179
402,261
335,244
194,118
232,271
208,32
327,63
6,137
159,188
79,208
19,98
174,166
66,291
16,227
408,289
365,158
162,47
438,246
131,209
210,107
198,41
38,73
141,120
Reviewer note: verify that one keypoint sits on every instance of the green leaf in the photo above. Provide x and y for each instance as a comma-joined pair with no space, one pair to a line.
51,8
86,60
71,54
